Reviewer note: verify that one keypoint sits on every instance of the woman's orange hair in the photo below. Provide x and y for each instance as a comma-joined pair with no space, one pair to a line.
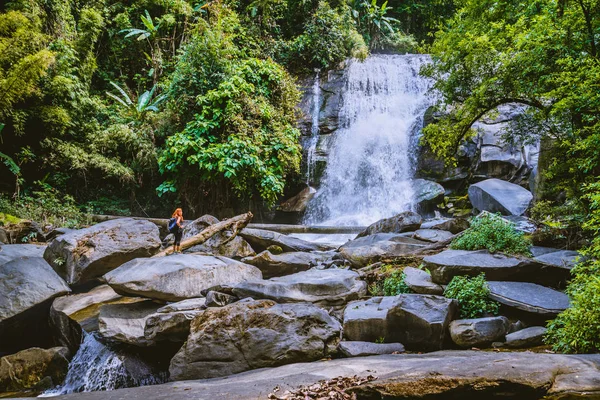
178,213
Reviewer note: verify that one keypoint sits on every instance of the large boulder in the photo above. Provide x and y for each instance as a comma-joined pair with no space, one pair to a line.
298,203
33,368
420,281
89,253
71,314
254,334
329,287
529,297
478,332
370,249
528,337
452,225
495,195
27,287
273,265
9,252
219,244
450,263
419,322
403,222
3,236
125,323
427,193
261,239
361,349
178,277
172,322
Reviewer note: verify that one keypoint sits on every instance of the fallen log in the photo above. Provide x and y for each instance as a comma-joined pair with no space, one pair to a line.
235,224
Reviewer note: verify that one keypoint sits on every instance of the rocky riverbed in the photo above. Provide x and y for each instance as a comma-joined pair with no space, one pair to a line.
268,311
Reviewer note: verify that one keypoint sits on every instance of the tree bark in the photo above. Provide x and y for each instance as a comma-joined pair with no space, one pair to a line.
236,224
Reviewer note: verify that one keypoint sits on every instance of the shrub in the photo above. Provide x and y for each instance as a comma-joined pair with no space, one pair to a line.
472,295
492,232
577,329
395,285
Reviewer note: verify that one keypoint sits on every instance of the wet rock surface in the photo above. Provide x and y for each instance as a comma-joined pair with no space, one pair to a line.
89,253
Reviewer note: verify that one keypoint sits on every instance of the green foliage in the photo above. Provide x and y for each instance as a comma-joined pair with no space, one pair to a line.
395,285
472,296
493,233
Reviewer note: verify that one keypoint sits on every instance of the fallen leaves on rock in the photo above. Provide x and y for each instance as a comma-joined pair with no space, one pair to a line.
332,389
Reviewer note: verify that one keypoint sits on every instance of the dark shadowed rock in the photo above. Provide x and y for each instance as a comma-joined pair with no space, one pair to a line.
427,192
361,349
260,239
254,334
496,266
33,367
563,258
218,299
24,231
433,235
369,249
27,287
420,322
478,332
299,202
528,337
273,265
178,277
125,323
84,254
420,282
173,327
219,244
403,222
529,297
3,236
329,287
495,195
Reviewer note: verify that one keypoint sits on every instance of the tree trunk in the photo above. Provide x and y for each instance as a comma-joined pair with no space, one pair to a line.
236,224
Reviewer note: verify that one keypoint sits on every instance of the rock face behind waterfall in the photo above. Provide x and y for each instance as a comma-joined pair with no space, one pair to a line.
89,253
496,195
254,334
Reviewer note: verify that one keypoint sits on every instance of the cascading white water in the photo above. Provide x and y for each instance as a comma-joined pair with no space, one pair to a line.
314,130
370,166
97,367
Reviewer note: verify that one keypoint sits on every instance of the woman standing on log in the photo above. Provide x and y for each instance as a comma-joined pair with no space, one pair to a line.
176,229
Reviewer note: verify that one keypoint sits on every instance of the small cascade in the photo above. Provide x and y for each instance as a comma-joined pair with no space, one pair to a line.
371,164
311,147
96,367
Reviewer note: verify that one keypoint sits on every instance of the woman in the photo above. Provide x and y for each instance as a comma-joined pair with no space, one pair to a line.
177,229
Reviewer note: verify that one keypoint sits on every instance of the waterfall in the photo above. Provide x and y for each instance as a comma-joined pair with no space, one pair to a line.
314,129
97,367
370,166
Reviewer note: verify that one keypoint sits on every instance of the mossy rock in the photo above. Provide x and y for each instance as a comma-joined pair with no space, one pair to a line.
7,219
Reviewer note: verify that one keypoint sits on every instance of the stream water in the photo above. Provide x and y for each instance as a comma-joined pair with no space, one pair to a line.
371,163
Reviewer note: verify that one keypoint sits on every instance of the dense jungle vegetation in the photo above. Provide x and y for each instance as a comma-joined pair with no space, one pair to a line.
127,107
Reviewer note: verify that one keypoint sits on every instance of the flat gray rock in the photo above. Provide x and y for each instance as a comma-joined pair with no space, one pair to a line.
495,195
562,258
370,249
184,305
478,332
361,349
432,235
178,277
9,252
328,287
125,323
84,254
452,225
273,265
254,334
496,267
403,222
436,375
537,251
529,297
420,281
260,239
528,337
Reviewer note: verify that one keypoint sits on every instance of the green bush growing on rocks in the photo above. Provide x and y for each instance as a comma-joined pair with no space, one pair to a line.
472,296
395,285
492,232
577,329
